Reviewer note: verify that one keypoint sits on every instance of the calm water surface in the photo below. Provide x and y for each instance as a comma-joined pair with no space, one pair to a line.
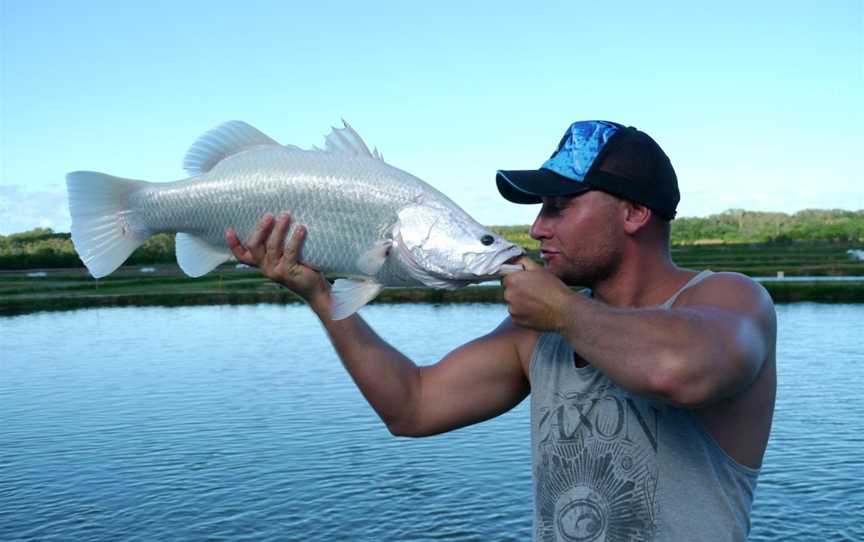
239,423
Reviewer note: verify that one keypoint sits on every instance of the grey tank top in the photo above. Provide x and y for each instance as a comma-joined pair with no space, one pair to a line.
612,466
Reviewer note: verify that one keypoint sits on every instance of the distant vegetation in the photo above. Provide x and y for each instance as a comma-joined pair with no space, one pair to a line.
43,248
807,243
739,226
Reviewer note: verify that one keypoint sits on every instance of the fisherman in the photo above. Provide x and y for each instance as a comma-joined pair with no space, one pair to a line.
652,392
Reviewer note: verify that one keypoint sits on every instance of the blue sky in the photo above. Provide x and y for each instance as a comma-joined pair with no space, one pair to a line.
758,104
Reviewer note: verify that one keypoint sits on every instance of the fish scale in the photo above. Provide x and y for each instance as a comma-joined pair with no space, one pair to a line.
367,221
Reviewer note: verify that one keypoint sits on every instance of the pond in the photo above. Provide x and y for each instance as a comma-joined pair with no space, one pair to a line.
239,423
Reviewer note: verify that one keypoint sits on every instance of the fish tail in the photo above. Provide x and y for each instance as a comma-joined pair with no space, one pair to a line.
104,231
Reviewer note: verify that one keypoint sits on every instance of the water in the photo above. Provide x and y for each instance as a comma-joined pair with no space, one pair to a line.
804,278
239,423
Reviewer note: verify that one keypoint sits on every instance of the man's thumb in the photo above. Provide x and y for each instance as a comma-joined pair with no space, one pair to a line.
528,263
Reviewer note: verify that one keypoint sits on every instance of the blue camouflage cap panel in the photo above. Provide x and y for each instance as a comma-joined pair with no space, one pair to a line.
579,148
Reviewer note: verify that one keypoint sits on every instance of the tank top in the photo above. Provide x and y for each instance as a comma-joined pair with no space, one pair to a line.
612,466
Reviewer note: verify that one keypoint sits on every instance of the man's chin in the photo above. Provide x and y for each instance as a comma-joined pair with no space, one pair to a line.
568,279
553,266
557,271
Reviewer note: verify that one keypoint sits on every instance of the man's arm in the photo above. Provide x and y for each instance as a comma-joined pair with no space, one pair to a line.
475,382
709,347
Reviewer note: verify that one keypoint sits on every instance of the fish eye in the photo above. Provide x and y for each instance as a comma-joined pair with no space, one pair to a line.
487,240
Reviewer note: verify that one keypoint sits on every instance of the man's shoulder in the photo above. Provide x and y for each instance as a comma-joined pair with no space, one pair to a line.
730,283
518,334
522,339
728,290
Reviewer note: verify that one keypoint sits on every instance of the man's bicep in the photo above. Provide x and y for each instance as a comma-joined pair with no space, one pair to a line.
743,317
475,382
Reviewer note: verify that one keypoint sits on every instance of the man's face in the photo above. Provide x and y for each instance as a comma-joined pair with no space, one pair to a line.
580,237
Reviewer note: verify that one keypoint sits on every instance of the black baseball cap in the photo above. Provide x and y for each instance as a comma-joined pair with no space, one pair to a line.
600,155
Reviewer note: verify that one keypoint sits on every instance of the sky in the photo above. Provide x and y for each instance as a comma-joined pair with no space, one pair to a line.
758,104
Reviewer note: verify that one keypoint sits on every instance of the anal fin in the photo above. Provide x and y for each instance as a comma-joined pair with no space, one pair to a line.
197,257
349,295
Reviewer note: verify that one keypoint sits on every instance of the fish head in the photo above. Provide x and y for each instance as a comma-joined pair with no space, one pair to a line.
444,247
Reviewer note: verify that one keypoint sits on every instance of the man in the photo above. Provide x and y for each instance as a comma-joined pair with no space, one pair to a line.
652,397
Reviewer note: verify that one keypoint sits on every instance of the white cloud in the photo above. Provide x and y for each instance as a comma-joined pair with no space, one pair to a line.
23,209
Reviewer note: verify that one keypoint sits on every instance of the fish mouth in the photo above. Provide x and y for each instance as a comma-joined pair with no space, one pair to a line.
495,265
476,266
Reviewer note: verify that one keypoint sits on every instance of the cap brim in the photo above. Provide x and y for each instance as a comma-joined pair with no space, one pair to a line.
529,186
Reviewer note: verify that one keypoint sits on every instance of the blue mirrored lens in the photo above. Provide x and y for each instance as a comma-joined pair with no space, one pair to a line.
579,148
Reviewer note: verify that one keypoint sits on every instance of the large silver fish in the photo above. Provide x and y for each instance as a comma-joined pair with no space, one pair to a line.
368,221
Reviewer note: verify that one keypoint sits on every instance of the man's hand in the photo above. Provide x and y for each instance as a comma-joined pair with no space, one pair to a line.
536,298
264,250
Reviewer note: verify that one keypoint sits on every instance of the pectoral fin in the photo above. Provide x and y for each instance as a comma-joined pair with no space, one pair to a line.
371,261
349,295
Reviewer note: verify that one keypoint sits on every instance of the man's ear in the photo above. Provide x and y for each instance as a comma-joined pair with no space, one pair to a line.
636,217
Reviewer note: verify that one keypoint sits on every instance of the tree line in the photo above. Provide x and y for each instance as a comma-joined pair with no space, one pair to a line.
42,247
740,226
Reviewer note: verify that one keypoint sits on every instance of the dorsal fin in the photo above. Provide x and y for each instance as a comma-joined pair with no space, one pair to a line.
220,143
346,140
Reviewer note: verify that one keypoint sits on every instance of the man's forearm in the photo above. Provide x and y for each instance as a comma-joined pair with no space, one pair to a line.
673,355
387,378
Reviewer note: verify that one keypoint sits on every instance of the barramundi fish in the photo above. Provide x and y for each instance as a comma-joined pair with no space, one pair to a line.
369,223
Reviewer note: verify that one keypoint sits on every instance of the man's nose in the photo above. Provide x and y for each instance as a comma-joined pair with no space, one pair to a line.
539,229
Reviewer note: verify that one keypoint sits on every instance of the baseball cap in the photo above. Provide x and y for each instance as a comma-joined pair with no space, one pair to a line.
600,155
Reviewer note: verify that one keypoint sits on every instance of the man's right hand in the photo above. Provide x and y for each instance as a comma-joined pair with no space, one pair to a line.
266,250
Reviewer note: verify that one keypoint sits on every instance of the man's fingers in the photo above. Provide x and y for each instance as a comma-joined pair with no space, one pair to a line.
262,231
528,263
292,249
522,264
237,248
508,268
276,240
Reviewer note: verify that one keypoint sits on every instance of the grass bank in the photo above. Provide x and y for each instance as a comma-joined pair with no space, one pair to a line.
64,289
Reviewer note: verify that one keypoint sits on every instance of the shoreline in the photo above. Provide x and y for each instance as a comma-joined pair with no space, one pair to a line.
29,291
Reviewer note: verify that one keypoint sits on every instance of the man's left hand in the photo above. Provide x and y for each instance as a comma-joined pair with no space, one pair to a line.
536,298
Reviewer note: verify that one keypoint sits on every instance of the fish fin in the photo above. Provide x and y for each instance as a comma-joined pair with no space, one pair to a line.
371,261
197,257
104,230
221,142
346,140
349,295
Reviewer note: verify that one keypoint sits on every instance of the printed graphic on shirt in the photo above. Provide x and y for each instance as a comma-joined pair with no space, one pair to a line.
597,474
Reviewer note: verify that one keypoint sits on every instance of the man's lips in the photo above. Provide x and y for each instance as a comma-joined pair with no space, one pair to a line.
546,254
